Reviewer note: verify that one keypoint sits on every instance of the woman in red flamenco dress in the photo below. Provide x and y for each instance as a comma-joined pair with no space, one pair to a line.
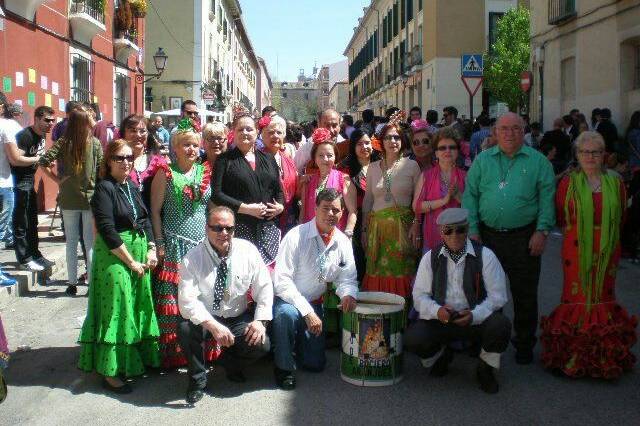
589,333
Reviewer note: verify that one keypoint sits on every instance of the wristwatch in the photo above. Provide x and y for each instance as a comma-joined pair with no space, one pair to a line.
265,323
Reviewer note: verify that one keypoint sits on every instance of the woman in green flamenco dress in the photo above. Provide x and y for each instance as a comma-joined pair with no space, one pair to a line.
119,337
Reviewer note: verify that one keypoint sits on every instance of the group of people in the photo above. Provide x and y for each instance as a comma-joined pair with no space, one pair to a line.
237,242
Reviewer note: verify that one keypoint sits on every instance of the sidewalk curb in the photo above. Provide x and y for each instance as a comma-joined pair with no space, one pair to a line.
29,281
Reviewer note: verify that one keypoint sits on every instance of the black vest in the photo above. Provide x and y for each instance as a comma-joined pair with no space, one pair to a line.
472,283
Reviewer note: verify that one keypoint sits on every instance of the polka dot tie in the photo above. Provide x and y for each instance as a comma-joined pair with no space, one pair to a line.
219,285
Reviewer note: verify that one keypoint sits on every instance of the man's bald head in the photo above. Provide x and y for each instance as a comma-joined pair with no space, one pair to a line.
330,120
510,133
511,118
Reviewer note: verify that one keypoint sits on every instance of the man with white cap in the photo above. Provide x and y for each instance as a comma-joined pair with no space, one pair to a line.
459,292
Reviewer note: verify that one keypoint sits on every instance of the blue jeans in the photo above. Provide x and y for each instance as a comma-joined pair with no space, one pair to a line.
6,215
72,232
290,335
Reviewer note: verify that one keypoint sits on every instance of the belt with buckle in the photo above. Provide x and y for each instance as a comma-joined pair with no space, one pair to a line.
508,230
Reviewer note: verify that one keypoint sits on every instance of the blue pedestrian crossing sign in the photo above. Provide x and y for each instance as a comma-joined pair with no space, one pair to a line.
472,65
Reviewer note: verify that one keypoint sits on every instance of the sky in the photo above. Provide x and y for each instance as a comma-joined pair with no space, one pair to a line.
294,34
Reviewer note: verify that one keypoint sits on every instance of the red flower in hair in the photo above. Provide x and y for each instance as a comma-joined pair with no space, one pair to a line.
321,135
264,122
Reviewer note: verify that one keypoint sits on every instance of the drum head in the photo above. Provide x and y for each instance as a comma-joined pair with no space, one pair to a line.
388,302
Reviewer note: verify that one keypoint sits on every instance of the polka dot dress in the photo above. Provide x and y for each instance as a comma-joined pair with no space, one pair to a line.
184,226
120,333
265,236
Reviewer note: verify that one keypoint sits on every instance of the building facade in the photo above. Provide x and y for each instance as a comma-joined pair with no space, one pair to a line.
60,50
339,97
264,86
298,100
328,76
215,64
407,52
585,55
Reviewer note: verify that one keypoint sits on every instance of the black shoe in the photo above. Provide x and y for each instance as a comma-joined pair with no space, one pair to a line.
524,356
71,290
194,395
236,376
441,366
285,379
121,390
488,382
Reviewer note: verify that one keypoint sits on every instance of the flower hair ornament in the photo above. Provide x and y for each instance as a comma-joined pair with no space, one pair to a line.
240,111
185,125
421,125
264,122
321,135
397,118
376,144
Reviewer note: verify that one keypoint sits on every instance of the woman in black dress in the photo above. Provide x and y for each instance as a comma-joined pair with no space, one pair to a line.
248,181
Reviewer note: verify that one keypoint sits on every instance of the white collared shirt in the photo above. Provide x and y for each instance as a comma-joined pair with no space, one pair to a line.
247,271
492,274
298,266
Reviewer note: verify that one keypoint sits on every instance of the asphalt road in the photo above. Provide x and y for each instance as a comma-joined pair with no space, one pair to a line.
46,387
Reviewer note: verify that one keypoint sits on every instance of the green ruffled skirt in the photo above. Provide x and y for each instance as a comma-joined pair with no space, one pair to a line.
120,333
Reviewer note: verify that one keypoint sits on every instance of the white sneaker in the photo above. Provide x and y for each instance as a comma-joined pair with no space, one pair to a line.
32,266
45,262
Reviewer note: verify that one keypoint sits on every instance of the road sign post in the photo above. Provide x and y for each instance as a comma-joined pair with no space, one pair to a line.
471,74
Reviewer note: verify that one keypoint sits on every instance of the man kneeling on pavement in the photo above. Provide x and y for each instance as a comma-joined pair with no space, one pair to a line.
215,279
310,256
459,292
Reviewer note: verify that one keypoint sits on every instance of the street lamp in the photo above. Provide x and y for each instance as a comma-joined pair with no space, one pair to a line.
160,61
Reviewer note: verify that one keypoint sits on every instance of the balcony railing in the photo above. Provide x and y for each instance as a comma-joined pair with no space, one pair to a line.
561,11
92,8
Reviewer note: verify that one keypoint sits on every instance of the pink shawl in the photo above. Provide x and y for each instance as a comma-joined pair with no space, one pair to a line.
432,189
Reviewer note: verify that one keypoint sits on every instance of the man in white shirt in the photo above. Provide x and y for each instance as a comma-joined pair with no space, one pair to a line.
459,295
9,128
310,256
215,279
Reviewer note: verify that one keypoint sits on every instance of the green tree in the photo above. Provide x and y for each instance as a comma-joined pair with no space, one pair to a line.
508,57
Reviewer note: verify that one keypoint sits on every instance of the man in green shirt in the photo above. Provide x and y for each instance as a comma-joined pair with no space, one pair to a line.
509,193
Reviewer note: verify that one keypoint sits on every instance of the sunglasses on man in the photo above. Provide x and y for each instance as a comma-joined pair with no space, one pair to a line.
220,228
459,230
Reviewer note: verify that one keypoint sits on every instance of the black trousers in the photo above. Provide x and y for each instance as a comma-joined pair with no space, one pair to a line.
523,270
426,337
25,224
234,358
